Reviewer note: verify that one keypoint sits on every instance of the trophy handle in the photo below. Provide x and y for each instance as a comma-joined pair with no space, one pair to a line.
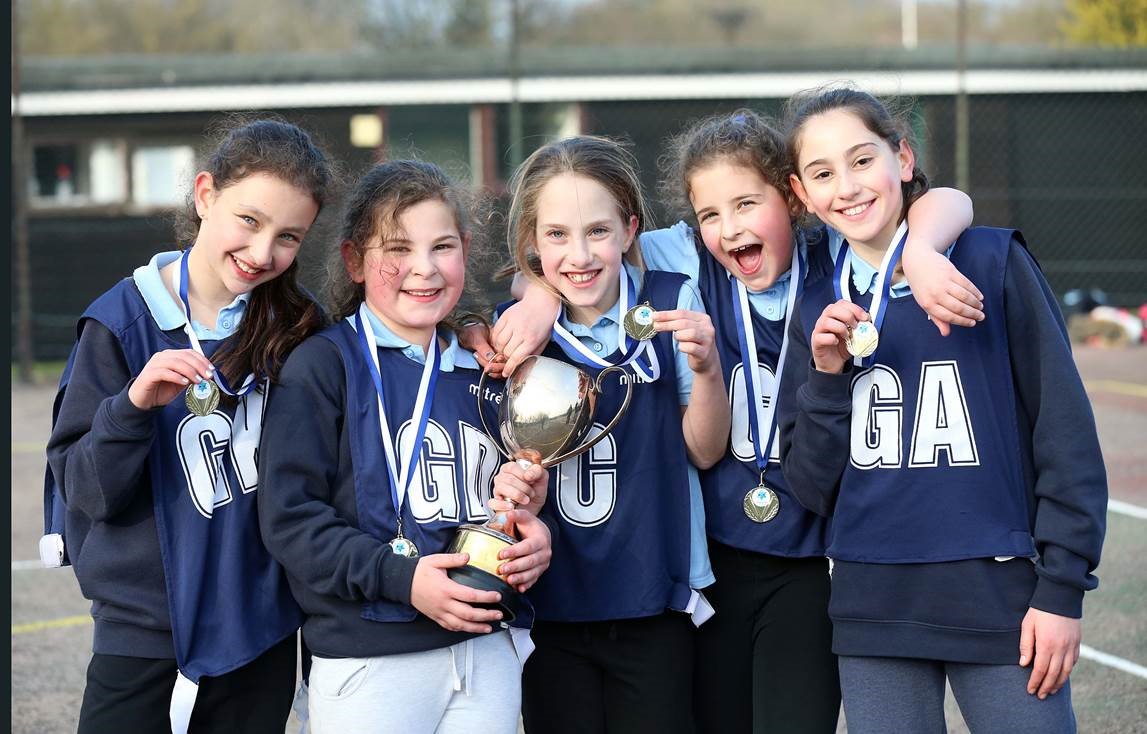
496,437
609,427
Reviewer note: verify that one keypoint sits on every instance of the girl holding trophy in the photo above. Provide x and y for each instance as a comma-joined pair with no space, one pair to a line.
373,456
614,641
765,657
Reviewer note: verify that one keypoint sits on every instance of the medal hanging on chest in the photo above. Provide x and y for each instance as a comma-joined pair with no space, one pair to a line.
864,338
402,546
762,503
202,398
399,474
633,335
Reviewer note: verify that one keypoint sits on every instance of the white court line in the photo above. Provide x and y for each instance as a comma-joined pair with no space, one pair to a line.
1126,508
1110,660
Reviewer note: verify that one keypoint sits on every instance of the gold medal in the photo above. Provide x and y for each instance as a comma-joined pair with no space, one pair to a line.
638,322
761,504
202,398
400,546
862,339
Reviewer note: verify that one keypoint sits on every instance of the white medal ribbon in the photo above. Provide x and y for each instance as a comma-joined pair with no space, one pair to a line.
764,417
422,403
181,288
573,346
880,289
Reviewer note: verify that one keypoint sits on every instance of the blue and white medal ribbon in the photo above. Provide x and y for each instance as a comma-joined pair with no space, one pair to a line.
761,503
632,350
863,339
202,397
399,474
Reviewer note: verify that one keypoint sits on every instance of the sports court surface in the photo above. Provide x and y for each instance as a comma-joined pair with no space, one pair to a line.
51,629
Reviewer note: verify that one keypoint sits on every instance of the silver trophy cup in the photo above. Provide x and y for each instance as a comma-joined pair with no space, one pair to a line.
544,417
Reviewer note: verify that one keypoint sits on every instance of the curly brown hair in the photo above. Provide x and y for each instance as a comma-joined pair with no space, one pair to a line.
742,138
372,210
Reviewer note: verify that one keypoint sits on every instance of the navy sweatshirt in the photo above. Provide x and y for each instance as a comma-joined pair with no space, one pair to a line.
960,604
98,453
332,535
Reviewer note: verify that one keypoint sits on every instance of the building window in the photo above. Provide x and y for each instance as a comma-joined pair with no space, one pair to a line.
109,173
78,174
159,174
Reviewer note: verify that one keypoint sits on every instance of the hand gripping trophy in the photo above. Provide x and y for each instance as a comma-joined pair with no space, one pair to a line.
545,414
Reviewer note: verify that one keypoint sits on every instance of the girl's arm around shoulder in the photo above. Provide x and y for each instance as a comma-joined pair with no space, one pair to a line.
521,331
815,420
672,249
100,440
1069,479
306,486
705,420
935,221
525,327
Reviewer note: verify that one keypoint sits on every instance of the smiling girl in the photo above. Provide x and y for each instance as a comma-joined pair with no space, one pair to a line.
375,453
193,618
962,474
614,640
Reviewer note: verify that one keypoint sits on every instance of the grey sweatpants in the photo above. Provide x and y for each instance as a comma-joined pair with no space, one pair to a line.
905,695
474,686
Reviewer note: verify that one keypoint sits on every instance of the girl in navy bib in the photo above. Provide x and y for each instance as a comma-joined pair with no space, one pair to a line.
614,633
375,454
962,475
154,445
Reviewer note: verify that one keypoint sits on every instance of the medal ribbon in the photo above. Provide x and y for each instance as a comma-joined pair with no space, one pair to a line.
399,480
181,281
632,349
762,419
881,288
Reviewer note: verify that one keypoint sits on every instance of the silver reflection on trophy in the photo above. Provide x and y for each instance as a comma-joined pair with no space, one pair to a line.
544,417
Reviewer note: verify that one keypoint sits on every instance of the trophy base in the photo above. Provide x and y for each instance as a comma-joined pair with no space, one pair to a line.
512,603
483,545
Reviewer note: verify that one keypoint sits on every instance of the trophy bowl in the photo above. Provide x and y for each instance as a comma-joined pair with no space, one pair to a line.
544,417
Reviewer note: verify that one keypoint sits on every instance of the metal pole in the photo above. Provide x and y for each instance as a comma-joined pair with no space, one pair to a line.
963,173
24,349
515,104
908,25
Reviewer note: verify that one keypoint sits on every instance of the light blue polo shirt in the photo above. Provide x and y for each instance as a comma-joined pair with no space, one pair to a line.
167,311
864,274
454,355
601,337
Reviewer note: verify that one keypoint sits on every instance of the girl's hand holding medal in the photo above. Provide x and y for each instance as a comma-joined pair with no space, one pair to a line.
695,337
167,375
831,334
